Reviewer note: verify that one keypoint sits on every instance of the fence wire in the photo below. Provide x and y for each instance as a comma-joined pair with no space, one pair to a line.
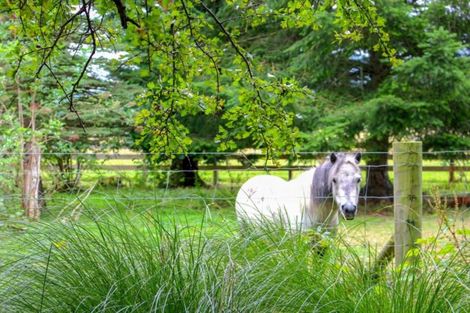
148,188
221,153
233,198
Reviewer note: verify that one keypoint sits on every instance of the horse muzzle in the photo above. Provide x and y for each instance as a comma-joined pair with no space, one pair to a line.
349,211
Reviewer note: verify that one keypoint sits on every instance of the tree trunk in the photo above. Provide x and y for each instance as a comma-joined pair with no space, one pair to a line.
69,177
185,173
378,182
31,180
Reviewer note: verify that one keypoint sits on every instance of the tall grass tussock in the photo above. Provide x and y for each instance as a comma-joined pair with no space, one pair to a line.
148,264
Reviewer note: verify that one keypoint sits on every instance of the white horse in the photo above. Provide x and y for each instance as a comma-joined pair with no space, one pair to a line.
307,201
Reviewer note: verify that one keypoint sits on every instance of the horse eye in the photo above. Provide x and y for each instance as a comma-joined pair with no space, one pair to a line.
334,180
358,180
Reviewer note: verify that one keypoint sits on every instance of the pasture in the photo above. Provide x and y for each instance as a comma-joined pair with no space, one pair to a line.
214,207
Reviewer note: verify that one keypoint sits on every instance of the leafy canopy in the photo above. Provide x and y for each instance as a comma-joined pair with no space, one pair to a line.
183,44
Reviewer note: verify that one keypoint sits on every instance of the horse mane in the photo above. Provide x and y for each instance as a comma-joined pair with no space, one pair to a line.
322,179
321,185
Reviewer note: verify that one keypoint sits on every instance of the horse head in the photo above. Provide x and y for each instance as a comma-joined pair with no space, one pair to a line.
344,180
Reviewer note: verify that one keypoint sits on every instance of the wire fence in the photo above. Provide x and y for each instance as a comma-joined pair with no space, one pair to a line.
129,170
126,181
448,195
208,153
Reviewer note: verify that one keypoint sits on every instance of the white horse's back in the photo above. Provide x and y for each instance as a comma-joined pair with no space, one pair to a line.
272,198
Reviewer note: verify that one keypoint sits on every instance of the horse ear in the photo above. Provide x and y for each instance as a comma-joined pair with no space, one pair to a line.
333,157
357,157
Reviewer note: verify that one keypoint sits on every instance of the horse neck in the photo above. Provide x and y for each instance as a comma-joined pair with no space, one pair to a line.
322,207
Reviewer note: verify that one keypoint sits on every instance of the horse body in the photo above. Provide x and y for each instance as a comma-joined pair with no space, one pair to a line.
307,201
273,198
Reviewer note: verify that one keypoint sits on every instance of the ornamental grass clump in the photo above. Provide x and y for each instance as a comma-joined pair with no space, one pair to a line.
147,264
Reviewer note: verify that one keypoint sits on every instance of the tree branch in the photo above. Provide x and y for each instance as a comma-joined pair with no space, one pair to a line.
91,33
237,50
230,39
121,8
59,35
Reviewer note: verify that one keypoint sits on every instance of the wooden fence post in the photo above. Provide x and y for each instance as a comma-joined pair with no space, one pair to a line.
452,171
289,171
215,178
407,196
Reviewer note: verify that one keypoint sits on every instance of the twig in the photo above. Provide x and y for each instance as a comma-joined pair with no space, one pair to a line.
91,33
237,50
229,37
59,35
